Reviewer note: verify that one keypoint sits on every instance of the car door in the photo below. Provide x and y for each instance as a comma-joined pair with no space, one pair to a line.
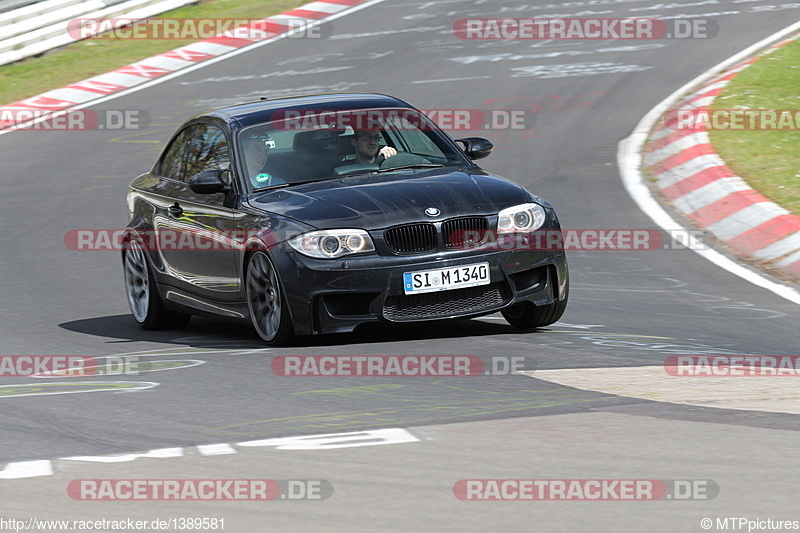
196,231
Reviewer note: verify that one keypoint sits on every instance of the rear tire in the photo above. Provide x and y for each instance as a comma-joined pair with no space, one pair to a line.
525,315
146,306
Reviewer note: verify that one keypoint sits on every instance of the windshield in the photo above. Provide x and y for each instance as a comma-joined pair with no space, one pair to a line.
313,145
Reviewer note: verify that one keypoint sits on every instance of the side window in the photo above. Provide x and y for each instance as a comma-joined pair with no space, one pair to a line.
172,164
208,150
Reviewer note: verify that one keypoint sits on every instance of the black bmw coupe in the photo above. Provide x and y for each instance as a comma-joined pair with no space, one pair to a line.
315,214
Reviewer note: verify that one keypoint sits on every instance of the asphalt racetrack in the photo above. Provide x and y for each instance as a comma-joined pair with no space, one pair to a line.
629,311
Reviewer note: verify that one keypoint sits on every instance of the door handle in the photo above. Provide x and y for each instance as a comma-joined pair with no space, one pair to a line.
175,210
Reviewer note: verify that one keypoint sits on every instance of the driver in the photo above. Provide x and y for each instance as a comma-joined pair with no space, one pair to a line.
256,152
366,144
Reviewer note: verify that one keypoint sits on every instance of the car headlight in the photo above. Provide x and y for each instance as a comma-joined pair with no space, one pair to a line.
333,243
521,219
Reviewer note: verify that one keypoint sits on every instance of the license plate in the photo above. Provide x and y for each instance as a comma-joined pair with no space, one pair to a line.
445,279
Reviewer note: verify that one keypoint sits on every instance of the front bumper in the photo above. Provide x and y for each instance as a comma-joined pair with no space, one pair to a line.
335,296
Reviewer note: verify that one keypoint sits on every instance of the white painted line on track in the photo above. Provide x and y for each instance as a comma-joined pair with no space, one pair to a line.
452,79
27,469
216,449
629,159
329,441
163,453
72,387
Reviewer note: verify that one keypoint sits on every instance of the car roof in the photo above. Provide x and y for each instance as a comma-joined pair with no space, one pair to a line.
261,111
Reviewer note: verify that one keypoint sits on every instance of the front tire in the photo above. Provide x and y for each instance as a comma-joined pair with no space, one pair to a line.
143,298
268,310
525,315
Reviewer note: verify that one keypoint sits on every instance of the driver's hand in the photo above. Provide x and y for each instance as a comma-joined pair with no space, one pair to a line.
387,152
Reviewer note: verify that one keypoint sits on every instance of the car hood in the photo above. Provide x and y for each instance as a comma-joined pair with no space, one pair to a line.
377,201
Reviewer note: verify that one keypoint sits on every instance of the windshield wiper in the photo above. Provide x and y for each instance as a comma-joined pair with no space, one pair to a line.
281,185
417,165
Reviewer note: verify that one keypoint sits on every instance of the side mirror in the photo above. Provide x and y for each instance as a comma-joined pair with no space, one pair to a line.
476,147
209,182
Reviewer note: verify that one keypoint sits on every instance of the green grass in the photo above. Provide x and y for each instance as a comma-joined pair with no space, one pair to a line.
768,160
88,58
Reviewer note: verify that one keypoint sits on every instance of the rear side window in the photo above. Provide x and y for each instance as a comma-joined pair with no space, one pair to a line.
172,165
208,150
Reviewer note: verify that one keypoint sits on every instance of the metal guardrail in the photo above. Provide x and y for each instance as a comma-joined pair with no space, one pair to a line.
38,27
